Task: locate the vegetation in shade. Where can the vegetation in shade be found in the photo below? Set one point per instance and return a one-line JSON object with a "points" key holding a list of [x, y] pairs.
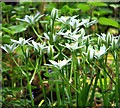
{"points": [[59, 54]]}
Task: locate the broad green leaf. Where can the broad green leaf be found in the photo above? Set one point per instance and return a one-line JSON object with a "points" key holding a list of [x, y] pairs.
{"points": [[72, 10], [108, 10], [6, 8], [114, 5], [107, 21], [15, 29], [50, 6], [20, 8], [8, 30], [65, 9], [83, 7], [97, 4], [5, 39], [102, 12]]}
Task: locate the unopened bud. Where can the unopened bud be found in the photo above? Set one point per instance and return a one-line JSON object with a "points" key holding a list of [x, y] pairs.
{"points": [[50, 51], [99, 42], [87, 41], [54, 14], [78, 61], [109, 38], [27, 54]]}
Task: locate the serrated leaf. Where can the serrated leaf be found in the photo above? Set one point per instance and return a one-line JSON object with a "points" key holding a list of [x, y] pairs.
{"points": [[107, 21]]}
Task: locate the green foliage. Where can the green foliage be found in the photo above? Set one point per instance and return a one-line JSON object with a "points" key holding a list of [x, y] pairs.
{"points": [[84, 7], [109, 22], [5, 39], [15, 29], [56, 58], [97, 4], [114, 6]]}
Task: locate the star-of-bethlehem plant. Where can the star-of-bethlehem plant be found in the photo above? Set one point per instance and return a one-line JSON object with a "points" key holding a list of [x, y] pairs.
{"points": [[70, 57]]}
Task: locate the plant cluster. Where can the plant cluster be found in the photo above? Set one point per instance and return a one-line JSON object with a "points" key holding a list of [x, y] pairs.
{"points": [[75, 64]]}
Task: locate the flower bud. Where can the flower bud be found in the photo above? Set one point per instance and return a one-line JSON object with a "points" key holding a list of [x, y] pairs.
{"points": [[54, 14], [113, 44], [87, 41], [50, 51], [90, 54], [99, 42], [109, 38], [78, 61], [27, 54], [115, 55], [82, 32]]}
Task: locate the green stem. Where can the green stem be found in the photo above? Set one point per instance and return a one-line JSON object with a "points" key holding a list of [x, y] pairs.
{"points": [[64, 56], [67, 82], [29, 85], [51, 87], [63, 93], [51, 35], [21, 80], [94, 87], [79, 84], [105, 71], [68, 87], [57, 91], [69, 92], [25, 55], [85, 72], [34, 71], [117, 78], [71, 71], [92, 77], [18, 65], [75, 76], [56, 47], [41, 82], [105, 84], [101, 86], [37, 34]]}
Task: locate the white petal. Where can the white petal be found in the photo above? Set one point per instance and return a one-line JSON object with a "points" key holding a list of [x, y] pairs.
{"points": [[53, 62]]}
